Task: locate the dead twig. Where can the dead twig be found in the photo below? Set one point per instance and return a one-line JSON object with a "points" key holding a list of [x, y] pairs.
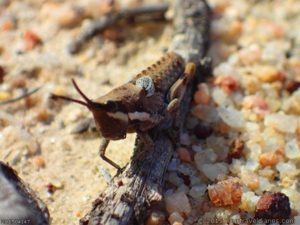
{"points": [[25, 95], [138, 190], [111, 19]]}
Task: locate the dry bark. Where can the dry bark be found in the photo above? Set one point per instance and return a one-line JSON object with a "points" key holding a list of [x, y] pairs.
{"points": [[138, 190], [19, 204]]}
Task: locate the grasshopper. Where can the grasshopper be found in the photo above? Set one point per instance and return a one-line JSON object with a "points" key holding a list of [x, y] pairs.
{"points": [[140, 104]]}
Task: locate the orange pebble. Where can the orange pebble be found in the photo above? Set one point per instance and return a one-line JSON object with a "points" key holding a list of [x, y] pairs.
{"points": [[7, 26], [268, 159], [225, 193], [42, 115], [31, 39], [39, 161], [228, 83], [202, 96], [184, 155]]}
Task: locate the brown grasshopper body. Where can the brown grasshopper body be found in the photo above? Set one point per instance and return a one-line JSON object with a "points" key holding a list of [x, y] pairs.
{"points": [[140, 104]]}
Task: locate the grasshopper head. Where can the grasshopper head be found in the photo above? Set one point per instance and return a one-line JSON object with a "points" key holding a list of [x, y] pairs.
{"points": [[110, 123]]}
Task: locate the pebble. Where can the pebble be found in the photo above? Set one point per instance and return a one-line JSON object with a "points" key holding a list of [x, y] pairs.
{"points": [[202, 131], [206, 113], [225, 193], [175, 217], [202, 95], [197, 191], [282, 122], [185, 139], [4, 95], [292, 150], [81, 126], [249, 201], [250, 179], [213, 171], [178, 202], [184, 155], [273, 205], [250, 54], [156, 218], [39, 162], [220, 97], [31, 40], [236, 150], [287, 170], [228, 83], [64, 15], [232, 117], [268, 159], [43, 115], [268, 74]]}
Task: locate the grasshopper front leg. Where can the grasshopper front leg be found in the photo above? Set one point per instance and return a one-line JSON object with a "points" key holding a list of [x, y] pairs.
{"points": [[102, 148], [178, 89]]}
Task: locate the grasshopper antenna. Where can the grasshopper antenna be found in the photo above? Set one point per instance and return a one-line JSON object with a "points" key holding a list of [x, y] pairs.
{"points": [[88, 101], [55, 97]]}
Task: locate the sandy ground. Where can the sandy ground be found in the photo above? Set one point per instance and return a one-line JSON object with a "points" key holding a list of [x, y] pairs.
{"points": [[35, 134]]}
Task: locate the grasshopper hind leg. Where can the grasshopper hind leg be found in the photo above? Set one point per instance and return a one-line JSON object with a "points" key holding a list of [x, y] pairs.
{"points": [[102, 148]]}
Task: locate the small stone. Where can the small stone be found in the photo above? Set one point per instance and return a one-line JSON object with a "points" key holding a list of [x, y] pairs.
{"points": [[250, 55], [18, 82], [249, 201], [291, 85], [156, 218], [287, 170], [282, 122], [202, 131], [185, 139], [66, 16], [253, 101], [43, 115], [202, 95], [31, 40], [197, 191], [232, 117], [4, 95], [268, 159], [184, 155], [250, 179], [226, 193], [268, 74], [213, 171], [39, 162], [78, 214], [228, 83], [292, 150], [206, 113], [236, 150], [175, 217], [81, 126], [178, 202], [273, 205], [205, 156]]}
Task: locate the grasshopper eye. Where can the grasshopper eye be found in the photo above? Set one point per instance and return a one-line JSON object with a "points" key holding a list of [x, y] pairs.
{"points": [[147, 84], [111, 105]]}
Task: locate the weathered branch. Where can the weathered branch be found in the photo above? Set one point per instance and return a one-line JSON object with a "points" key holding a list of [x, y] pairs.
{"points": [[18, 204], [110, 20], [25, 95], [138, 190]]}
